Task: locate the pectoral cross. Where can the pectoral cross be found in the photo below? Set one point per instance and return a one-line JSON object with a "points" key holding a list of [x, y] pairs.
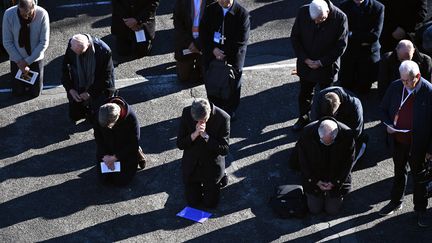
{"points": [[223, 38]]}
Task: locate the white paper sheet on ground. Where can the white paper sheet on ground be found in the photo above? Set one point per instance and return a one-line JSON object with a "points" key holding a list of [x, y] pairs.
{"points": [[140, 36], [396, 130], [29, 77], [194, 214], [105, 168]]}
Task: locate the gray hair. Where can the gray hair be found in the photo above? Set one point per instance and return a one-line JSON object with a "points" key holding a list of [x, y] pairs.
{"points": [[80, 39], [405, 44], [108, 114], [26, 4], [409, 67], [328, 127], [318, 8], [200, 109]]}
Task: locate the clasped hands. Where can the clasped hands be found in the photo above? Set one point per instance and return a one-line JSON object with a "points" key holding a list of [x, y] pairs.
{"points": [[79, 97], [23, 66], [219, 54], [109, 161], [325, 186], [199, 131], [132, 24]]}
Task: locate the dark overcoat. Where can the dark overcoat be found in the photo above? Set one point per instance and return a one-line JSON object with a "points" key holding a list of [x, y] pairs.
{"points": [[421, 142], [236, 31], [325, 42], [104, 70], [144, 11], [350, 111], [204, 161], [340, 160]]}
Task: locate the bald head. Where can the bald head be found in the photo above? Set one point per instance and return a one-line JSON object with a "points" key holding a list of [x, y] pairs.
{"points": [[79, 43], [405, 50], [328, 130]]}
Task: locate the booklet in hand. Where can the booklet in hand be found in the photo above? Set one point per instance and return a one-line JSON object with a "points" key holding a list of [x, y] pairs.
{"points": [[140, 36], [29, 77], [105, 169]]}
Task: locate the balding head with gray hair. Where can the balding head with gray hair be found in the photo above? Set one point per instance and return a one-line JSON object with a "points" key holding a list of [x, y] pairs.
{"points": [[327, 131], [410, 68], [80, 43], [405, 50], [318, 10], [200, 109]]}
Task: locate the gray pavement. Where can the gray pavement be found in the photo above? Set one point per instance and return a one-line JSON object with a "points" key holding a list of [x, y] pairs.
{"points": [[49, 191]]}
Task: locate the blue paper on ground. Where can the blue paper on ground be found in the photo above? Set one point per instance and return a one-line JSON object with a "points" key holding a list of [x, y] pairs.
{"points": [[194, 214]]}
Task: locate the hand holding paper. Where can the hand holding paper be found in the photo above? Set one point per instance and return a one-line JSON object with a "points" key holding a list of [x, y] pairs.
{"points": [[106, 169]]}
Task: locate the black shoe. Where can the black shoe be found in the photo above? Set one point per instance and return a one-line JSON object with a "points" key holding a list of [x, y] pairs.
{"points": [[390, 208], [300, 123], [224, 181], [142, 161], [422, 219]]}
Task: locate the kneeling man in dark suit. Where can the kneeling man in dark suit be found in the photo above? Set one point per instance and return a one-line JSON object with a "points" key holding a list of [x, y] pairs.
{"points": [[326, 154], [204, 137]]}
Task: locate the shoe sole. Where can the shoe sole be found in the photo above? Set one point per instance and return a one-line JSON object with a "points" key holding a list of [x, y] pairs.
{"points": [[391, 212]]}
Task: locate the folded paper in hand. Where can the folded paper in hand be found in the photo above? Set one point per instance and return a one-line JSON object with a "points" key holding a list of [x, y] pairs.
{"points": [[29, 77], [140, 36], [105, 169], [395, 129]]}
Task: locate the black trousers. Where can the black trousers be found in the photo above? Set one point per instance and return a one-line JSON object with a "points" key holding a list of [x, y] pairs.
{"points": [[190, 69], [401, 159], [127, 46], [206, 193], [20, 88], [358, 74], [306, 94]]}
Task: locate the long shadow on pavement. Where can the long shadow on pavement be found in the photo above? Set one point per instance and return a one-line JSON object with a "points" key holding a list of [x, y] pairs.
{"points": [[38, 129]]}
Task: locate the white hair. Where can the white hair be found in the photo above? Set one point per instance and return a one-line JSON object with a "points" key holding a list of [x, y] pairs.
{"points": [[405, 44], [409, 67], [80, 39], [328, 127], [318, 8]]}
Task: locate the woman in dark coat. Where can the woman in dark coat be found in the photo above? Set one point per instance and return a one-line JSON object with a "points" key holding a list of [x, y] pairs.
{"points": [[117, 134]]}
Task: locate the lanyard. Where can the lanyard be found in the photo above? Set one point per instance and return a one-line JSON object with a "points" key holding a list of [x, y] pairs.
{"points": [[197, 8], [402, 102]]}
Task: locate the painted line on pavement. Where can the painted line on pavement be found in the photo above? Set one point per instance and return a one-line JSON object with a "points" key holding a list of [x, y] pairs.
{"points": [[84, 4], [171, 76]]}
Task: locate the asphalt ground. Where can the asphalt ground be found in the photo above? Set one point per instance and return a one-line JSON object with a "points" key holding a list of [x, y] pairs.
{"points": [[48, 184]]}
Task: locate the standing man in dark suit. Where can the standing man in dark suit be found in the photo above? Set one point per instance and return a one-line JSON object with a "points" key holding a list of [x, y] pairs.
{"points": [[129, 16], [319, 37], [188, 51], [401, 19], [204, 136], [224, 32], [407, 105], [365, 23]]}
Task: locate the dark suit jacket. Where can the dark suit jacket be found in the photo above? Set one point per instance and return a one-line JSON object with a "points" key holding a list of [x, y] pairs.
{"points": [[104, 70], [389, 68], [422, 117], [415, 12], [121, 140], [183, 21], [204, 161], [365, 25], [350, 111], [314, 167], [144, 11], [326, 43], [237, 26]]}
